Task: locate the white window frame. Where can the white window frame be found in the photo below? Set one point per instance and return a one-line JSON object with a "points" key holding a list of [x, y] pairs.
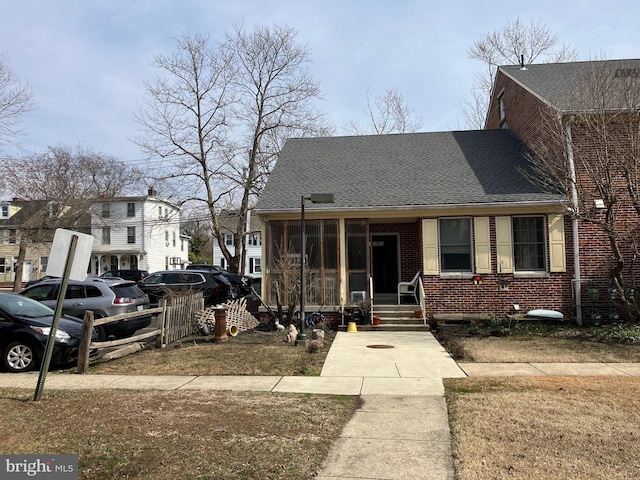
{"points": [[131, 209], [443, 247], [228, 239], [543, 233], [131, 230], [255, 265], [106, 235]]}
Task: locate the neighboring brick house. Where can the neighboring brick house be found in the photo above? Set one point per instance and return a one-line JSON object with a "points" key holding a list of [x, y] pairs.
{"points": [[453, 206], [564, 112]]}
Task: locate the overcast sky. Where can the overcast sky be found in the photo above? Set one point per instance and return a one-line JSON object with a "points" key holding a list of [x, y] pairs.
{"points": [[86, 59]]}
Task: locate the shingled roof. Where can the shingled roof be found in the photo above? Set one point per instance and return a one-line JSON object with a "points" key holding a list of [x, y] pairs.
{"points": [[563, 85], [387, 172]]}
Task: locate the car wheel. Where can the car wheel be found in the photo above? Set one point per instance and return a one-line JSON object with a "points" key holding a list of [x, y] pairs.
{"points": [[235, 292], [19, 356], [102, 333]]}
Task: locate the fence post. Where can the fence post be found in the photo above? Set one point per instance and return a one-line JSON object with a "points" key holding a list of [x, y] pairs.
{"points": [[85, 341], [161, 323]]}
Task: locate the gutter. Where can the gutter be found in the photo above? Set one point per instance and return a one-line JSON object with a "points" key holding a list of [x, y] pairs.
{"points": [[402, 208], [574, 220]]}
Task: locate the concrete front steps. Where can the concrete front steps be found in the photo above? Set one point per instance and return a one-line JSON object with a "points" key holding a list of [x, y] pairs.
{"points": [[394, 318]]}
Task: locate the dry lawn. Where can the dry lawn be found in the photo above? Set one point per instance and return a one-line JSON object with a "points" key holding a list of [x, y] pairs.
{"points": [[250, 353], [546, 349], [572, 428], [177, 435]]}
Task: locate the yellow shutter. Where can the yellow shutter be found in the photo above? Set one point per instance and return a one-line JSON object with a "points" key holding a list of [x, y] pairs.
{"points": [[557, 255], [482, 244], [430, 247], [503, 245]]}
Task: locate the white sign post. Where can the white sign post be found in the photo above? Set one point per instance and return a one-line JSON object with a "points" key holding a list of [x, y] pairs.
{"points": [[73, 265]]}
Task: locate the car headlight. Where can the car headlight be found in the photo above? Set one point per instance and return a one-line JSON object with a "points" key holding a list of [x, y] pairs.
{"points": [[61, 335]]}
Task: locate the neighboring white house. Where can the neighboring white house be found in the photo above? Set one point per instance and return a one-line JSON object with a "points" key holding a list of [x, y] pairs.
{"points": [[252, 244], [137, 233]]}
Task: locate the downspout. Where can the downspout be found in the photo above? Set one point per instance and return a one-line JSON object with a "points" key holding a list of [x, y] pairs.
{"points": [[574, 221]]}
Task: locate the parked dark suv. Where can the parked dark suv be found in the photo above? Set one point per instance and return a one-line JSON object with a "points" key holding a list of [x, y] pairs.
{"points": [[167, 282], [104, 297], [240, 284], [133, 275]]}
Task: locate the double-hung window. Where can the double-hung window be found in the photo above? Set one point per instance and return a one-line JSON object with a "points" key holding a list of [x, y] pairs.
{"points": [[106, 235], [131, 209], [131, 234], [455, 245], [528, 244]]}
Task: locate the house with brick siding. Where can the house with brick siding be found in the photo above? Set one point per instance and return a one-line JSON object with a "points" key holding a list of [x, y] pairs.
{"points": [[459, 209], [583, 116], [454, 207]]}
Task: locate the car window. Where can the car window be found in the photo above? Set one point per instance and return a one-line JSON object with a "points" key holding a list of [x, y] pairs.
{"points": [[193, 278], [40, 292], [155, 278], [93, 292], [127, 290], [173, 278], [24, 307], [75, 291]]}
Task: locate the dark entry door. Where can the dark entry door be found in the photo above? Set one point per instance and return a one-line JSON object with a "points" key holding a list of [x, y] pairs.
{"points": [[384, 263]]}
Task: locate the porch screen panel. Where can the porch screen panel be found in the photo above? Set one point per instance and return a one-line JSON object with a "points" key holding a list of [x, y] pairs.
{"points": [[283, 261], [357, 255]]}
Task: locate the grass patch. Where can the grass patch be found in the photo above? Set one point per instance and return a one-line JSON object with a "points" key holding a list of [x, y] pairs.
{"points": [[249, 353], [169, 435], [545, 427], [541, 342]]}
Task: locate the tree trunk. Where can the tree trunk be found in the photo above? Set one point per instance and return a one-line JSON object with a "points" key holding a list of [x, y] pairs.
{"points": [[22, 253]]}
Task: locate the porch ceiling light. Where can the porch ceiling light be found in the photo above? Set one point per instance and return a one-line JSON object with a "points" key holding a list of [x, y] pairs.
{"points": [[314, 198]]}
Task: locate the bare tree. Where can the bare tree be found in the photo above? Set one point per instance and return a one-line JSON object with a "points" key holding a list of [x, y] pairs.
{"points": [[219, 116], [388, 113], [512, 44], [15, 100], [64, 172], [601, 134], [61, 184]]}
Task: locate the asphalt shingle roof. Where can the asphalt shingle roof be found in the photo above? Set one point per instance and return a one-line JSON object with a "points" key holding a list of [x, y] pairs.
{"points": [[563, 85], [403, 170]]}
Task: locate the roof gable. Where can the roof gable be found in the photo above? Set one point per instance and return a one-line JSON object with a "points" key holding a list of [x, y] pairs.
{"points": [[402, 170], [564, 85]]}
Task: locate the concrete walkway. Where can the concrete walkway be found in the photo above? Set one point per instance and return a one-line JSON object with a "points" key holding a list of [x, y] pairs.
{"points": [[400, 432]]}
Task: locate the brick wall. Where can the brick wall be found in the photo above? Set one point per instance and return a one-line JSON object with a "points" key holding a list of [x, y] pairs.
{"points": [[498, 292]]}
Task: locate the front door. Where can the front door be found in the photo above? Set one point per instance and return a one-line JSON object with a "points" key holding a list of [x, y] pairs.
{"points": [[384, 263]]}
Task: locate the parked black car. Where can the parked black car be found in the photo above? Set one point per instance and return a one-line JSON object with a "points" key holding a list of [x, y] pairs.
{"points": [[167, 282], [240, 284], [104, 297], [133, 275], [24, 329]]}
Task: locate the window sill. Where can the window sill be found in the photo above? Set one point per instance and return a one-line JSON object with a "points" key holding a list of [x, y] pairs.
{"points": [[531, 274], [457, 275]]}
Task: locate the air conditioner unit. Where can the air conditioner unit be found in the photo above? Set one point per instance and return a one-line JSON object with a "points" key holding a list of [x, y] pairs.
{"points": [[358, 296]]}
